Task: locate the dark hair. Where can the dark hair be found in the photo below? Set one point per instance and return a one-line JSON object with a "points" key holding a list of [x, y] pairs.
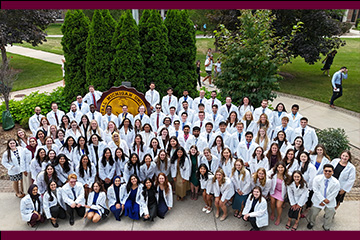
{"points": [[304, 169], [129, 184], [168, 150], [85, 146], [48, 158], [175, 157], [154, 138], [130, 164], [158, 160], [206, 175], [101, 186], [66, 143], [54, 176], [184, 113], [141, 143], [302, 148], [103, 159], [66, 163], [228, 119], [259, 189], [277, 106], [62, 125], [242, 101], [81, 167], [51, 197], [122, 124], [123, 155], [145, 190], [146, 124], [295, 106], [91, 141], [143, 161], [8, 148], [285, 175], [249, 133], [196, 128], [302, 181], [278, 153], [38, 155], [57, 132], [222, 142], [37, 134], [348, 152], [262, 155], [328, 165], [285, 159], [277, 136], [304, 118]]}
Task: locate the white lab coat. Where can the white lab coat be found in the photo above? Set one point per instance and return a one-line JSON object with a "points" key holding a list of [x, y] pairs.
{"points": [[139, 198], [128, 116], [127, 173], [147, 137], [216, 119], [87, 179], [40, 182], [258, 111], [105, 121], [324, 161], [97, 116], [182, 99], [223, 110], [57, 199], [347, 176], [84, 107], [231, 128], [215, 163], [73, 134], [310, 137], [264, 189], [309, 174], [260, 211], [273, 186], [123, 146], [226, 190], [276, 119], [25, 162], [168, 197], [100, 202], [27, 208], [68, 196], [215, 152], [119, 166], [184, 170], [165, 106], [127, 137], [234, 140], [289, 131], [13, 165], [227, 167], [255, 164], [294, 122], [242, 110], [297, 195], [211, 137], [145, 119], [226, 136], [190, 118], [76, 156], [107, 171], [284, 147], [111, 195], [138, 151], [147, 172], [88, 98], [162, 166], [209, 104], [101, 147], [155, 99], [199, 142], [34, 123], [62, 175], [249, 128], [242, 185], [77, 118], [243, 152], [51, 117], [197, 101], [153, 120], [206, 184], [319, 189], [35, 168]]}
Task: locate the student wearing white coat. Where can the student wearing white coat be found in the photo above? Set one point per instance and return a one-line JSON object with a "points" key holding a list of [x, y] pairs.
{"points": [[94, 115], [125, 114], [245, 106], [169, 101], [120, 160], [117, 142], [246, 148], [289, 131], [227, 108], [74, 114], [164, 195], [55, 115], [277, 115], [34, 120], [107, 168], [63, 168], [113, 195], [31, 207], [255, 210], [147, 134], [241, 179], [127, 132], [54, 206], [258, 160], [86, 172], [237, 136], [325, 188], [96, 148], [294, 117], [152, 96], [142, 116], [131, 167], [96, 203], [297, 193], [92, 96], [132, 199], [210, 160], [45, 177], [162, 162], [308, 134], [147, 168], [196, 140], [157, 118], [319, 158], [109, 116], [80, 150], [11, 160], [139, 147], [205, 178], [223, 190], [185, 98], [73, 196], [180, 172], [37, 164], [81, 105], [279, 178], [282, 142], [345, 172], [227, 162], [260, 179]]}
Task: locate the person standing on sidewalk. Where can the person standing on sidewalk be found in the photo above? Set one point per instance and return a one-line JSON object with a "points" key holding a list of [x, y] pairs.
{"points": [[337, 84], [208, 68]]}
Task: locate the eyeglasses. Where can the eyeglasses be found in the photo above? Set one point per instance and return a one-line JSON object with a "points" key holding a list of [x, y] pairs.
{"points": [[158, 108], [328, 171]]}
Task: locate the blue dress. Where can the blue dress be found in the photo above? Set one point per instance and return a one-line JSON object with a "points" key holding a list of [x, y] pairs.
{"points": [[162, 207], [132, 209], [96, 195]]}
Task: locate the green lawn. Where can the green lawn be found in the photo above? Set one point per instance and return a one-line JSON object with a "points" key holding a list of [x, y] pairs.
{"points": [[309, 82], [54, 29], [202, 45], [52, 45], [33, 72]]}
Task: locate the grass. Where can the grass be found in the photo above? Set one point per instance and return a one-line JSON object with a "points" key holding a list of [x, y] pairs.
{"points": [[308, 80], [202, 45], [33, 72], [54, 29], [52, 45]]}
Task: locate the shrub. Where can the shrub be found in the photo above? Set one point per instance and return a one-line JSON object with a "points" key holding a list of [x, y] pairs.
{"points": [[22, 109], [357, 23], [345, 27], [24, 123], [334, 140]]}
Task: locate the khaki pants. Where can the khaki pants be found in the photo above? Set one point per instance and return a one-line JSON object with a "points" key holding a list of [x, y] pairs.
{"points": [[329, 214]]}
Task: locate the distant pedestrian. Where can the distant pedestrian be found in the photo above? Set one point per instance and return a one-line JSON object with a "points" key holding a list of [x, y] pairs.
{"points": [[198, 71], [217, 70], [208, 69], [337, 84], [328, 61]]}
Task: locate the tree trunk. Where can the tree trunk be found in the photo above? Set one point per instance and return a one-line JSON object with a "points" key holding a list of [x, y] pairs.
{"points": [[3, 54]]}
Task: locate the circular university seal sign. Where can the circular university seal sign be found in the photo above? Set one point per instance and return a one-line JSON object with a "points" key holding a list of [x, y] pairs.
{"points": [[117, 97]]}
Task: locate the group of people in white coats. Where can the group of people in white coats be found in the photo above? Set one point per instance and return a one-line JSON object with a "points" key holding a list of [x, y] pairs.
{"points": [[185, 144]]}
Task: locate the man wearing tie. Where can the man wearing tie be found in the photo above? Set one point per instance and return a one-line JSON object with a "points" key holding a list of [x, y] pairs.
{"points": [[216, 117], [246, 148], [185, 98], [198, 100], [212, 101], [308, 134], [109, 116], [237, 137], [83, 107], [289, 131], [94, 115], [325, 188], [196, 140], [294, 116], [92, 96], [168, 101], [208, 134], [152, 96], [263, 109], [190, 112], [74, 114], [184, 121], [54, 116], [156, 118], [34, 120], [73, 196], [142, 116], [336, 83], [172, 115], [124, 115]]}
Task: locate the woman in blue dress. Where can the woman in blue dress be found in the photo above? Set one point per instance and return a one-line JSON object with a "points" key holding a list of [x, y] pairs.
{"points": [[132, 198], [113, 195], [164, 195]]}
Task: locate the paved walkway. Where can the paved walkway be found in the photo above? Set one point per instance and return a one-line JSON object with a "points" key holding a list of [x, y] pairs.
{"points": [[37, 54]]}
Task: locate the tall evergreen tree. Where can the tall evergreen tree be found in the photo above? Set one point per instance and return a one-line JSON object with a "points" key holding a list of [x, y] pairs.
{"points": [[182, 51], [75, 31], [128, 64], [143, 26], [155, 52], [99, 50]]}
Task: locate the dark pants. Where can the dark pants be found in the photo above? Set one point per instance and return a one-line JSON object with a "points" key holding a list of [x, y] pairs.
{"points": [[199, 80], [116, 212], [252, 221], [309, 202], [80, 211], [336, 95], [58, 212], [34, 219]]}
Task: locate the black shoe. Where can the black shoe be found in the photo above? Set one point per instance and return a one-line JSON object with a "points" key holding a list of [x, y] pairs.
{"points": [[254, 229], [55, 225], [71, 221], [325, 229], [309, 226]]}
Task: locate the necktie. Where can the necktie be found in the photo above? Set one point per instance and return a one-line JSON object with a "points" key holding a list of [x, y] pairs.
{"points": [[38, 118], [93, 95], [222, 135], [157, 120], [293, 117], [214, 117], [326, 186], [302, 132], [152, 96], [183, 125], [248, 145], [239, 137], [186, 137], [283, 129], [138, 151], [74, 114], [341, 77], [212, 102], [80, 106], [177, 133], [196, 140], [208, 137], [200, 100], [185, 98], [73, 191], [93, 116], [109, 117], [210, 164], [263, 110], [172, 118], [169, 100], [141, 117], [56, 118], [201, 124]]}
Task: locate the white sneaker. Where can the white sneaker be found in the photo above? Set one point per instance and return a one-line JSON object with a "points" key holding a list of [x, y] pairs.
{"points": [[203, 83], [208, 211], [211, 85], [204, 209]]}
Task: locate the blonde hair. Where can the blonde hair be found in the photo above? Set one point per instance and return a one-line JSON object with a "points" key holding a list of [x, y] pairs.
{"points": [[73, 175], [242, 170], [248, 112], [266, 138], [219, 170], [255, 176], [97, 128]]}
